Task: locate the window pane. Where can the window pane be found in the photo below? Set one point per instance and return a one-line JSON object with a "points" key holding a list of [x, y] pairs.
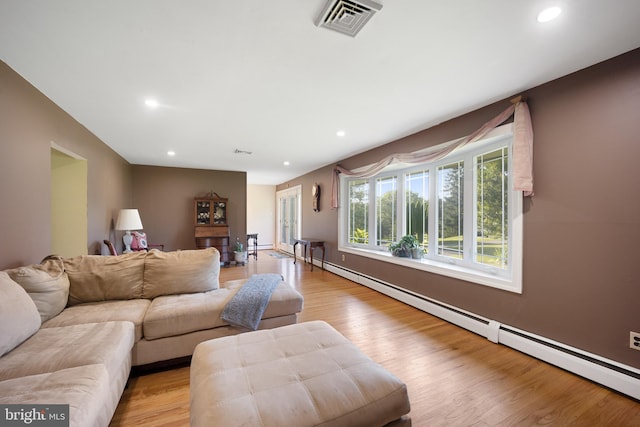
{"points": [[491, 201], [450, 210], [358, 212], [386, 202], [417, 205], [292, 201], [283, 220]]}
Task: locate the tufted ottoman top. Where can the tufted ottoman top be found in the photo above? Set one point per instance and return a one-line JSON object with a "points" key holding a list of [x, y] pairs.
{"points": [[306, 374]]}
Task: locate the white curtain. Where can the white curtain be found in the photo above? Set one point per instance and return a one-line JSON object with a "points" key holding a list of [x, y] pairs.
{"points": [[522, 152]]}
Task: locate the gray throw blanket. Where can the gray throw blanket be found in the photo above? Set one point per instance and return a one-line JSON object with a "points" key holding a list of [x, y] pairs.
{"points": [[246, 307]]}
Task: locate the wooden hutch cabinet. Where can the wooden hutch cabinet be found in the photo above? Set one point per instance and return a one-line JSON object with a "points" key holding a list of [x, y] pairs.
{"points": [[211, 227]]}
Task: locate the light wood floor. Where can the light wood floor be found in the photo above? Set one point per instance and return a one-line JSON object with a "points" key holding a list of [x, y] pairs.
{"points": [[454, 377]]}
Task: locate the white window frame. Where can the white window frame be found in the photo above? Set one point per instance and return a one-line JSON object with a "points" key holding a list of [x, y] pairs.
{"points": [[509, 279]]}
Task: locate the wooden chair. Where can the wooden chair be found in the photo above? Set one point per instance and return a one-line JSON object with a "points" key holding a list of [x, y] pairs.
{"points": [[112, 248]]}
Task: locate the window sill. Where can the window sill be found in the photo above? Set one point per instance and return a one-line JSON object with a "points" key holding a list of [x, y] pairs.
{"points": [[444, 269]]}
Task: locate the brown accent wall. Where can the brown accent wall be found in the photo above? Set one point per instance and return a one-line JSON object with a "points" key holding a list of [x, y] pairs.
{"points": [[165, 199], [581, 283], [29, 122], [581, 230]]}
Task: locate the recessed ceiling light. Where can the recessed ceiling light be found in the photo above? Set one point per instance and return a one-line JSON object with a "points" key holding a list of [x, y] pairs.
{"points": [[340, 133], [151, 103], [171, 153], [286, 163], [549, 14]]}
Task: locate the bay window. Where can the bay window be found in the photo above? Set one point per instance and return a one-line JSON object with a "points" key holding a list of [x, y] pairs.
{"points": [[461, 209]]}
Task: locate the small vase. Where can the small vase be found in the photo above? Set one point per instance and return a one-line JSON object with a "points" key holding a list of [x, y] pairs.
{"points": [[416, 253]]}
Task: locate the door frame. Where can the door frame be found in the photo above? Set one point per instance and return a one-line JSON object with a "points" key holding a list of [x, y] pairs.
{"points": [[69, 207], [293, 194]]}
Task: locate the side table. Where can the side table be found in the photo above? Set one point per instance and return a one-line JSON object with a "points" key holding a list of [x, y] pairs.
{"points": [[311, 244], [252, 249]]}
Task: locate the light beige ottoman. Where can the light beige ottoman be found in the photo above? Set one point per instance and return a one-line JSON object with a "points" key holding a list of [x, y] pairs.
{"points": [[299, 375]]}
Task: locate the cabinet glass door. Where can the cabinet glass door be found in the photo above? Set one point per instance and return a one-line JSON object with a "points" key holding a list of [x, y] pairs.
{"points": [[203, 212], [219, 212]]}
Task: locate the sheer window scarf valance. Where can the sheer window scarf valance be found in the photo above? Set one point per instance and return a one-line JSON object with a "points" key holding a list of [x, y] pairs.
{"points": [[522, 152]]}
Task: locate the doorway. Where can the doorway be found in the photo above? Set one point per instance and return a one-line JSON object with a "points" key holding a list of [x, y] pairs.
{"points": [[289, 222], [68, 203]]}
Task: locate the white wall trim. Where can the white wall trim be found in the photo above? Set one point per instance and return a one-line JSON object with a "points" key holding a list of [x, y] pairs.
{"points": [[65, 151], [609, 373]]}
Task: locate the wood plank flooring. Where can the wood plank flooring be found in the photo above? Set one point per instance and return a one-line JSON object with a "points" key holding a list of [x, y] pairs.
{"points": [[454, 377]]}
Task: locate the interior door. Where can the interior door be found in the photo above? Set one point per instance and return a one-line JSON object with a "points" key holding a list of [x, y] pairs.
{"points": [[289, 217]]}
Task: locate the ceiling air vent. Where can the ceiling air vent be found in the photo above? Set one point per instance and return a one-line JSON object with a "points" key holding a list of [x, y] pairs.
{"points": [[347, 16]]}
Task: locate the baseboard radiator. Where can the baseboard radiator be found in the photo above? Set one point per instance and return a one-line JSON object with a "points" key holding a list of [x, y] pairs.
{"points": [[622, 378]]}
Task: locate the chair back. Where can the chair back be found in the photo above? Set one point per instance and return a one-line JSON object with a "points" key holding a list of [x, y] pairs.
{"points": [[112, 249]]}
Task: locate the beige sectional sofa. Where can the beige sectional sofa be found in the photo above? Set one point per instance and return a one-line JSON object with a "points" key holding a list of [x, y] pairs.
{"points": [[71, 329]]}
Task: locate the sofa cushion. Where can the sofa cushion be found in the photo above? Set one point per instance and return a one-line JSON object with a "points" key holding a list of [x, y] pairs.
{"points": [[19, 317], [180, 272], [284, 300], [180, 314], [104, 311], [83, 388], [103, 278], [47, 284], [52, 349]]}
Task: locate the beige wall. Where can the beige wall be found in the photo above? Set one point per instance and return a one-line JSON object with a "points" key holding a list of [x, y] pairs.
{"points": [[261, 214], [581, 230]]}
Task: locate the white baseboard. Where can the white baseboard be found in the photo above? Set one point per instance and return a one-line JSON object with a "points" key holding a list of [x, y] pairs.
{"points": [[609, 373]]}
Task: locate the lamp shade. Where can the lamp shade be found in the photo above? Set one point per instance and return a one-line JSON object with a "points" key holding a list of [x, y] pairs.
{"points": [[128, 219]]}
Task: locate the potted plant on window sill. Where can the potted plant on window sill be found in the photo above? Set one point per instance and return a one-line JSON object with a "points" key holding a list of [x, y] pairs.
{"points": [[408, 247], [239, 253]]}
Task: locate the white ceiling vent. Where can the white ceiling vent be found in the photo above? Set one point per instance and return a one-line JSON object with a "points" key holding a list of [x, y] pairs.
{"points": [[347, 16]]}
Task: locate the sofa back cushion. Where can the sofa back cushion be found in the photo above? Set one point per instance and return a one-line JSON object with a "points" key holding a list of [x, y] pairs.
{"points": [[103, 278], [181, 272], [47, 284], [19, 317]]}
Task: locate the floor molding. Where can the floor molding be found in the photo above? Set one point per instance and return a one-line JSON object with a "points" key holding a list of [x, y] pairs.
{"points": [[622, 378]]}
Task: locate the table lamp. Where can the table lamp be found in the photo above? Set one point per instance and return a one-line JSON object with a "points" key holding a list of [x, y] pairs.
{"points": [[128, 219]]}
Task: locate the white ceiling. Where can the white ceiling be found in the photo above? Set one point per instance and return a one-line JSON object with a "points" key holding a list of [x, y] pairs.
{"points": [[259, 76]]}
